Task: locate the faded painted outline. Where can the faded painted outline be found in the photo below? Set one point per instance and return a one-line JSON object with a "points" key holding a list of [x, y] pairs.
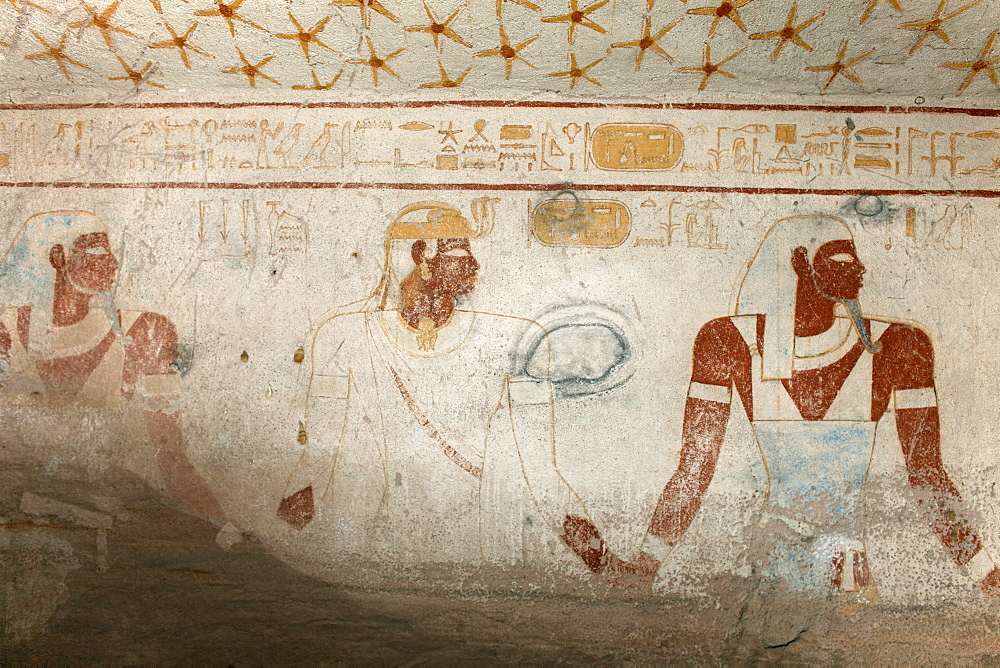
{"points": [[520, 187], [479, 104]]}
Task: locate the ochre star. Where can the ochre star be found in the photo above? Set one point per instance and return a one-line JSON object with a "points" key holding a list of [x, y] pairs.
{"points": [[978, 65], [709, 68], [840, 67], [306, 37], [790, 33], [376, 62], [57, 54], [647, 42], [16, 4], [181, 43], [230, 12], [137, 78], [251, 72], [437, 29], [934, 25], [364, 6], [874, 3], [578, 17], [524, 3], [446, 81], [509, 53], [729, 9], [576, 72], [103, 23], [317, 85]]}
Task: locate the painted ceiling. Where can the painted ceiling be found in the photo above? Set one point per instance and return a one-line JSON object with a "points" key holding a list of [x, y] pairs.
{"points": [[927, 50]]}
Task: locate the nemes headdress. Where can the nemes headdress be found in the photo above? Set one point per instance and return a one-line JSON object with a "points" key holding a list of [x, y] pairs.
{"points": [[26, 274], [769, 286]]}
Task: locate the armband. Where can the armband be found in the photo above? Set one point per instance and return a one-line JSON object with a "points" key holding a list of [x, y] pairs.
{"points": [[922, 397], [722, 394]]}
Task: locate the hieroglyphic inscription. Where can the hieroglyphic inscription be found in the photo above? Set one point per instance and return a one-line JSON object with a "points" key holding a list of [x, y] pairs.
{"points": [[659, 146]]}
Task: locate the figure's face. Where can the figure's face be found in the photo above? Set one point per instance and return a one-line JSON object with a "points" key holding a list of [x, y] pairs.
{"points": [[837, 271], [453, 268], [90, 263]]}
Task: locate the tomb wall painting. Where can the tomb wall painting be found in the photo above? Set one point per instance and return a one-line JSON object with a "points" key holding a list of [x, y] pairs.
{"points": [[484, 355]]}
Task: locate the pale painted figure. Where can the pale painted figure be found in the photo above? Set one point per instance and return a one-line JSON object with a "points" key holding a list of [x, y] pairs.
{"points": [[422, 444]]}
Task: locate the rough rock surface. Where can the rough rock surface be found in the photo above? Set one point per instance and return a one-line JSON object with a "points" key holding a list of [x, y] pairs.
{"points": [[170, 594]]}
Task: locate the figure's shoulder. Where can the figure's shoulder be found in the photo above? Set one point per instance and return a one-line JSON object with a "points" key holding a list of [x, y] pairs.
{"points": [[146, 324], [508, 322], [731, 333], [900, 336]]}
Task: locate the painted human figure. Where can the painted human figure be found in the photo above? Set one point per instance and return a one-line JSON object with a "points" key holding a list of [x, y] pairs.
{"points": [[815, 384], [419, 438], [69, 346]]}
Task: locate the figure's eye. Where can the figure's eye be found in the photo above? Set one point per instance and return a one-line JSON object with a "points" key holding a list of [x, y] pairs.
{"points": [[842, 257]]}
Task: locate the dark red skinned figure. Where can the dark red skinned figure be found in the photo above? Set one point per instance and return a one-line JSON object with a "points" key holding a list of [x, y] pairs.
{"points": [[430, 291], [727, 354], [83, 270]]}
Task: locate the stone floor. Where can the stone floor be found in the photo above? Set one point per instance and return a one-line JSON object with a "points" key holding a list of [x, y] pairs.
{"points": [[165, 592]]}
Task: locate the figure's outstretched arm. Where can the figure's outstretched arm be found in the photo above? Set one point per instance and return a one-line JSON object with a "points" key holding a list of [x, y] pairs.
{"points": [[721, 360], [906, 368], [530, 402], [151, 375]]}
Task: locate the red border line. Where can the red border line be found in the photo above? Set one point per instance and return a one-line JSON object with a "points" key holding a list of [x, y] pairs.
{"points": [[510, 187], [423, 104]]}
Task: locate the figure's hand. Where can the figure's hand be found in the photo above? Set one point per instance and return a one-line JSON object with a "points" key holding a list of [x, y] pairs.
{"points": [[637, 574], [298, 509], [582, 537], [991, 583]]}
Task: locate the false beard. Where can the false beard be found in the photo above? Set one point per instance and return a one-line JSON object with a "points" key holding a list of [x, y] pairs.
{"points": [[854, 309]]}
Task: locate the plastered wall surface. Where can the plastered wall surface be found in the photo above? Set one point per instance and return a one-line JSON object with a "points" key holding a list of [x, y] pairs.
{"points": [[703, 314]]}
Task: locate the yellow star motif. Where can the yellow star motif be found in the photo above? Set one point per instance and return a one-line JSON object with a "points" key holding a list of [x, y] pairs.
{"points": [[934, 25], [364, 6], [57, 54], [509, 53], [306, 37], [874, 3], [375, 62], [136, 77], [576, 72], [578, 17], [709, 68], [437, 29], [840, 67], [790, 33], [230, 12], [16, 4], [978, 65], [317, 85], [103, 23], [446, 81], [524, 3], [251, 72], [729, 9], [647, 42], [181, 43]]}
